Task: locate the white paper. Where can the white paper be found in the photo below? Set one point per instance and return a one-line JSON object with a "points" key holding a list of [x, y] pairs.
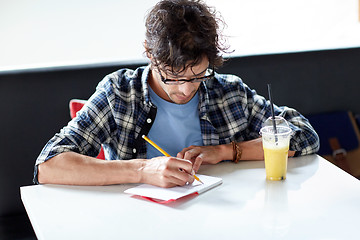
{"points": [[166, 194]]}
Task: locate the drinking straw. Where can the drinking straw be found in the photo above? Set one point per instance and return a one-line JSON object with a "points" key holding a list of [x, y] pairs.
{"points": [[272, 110]]}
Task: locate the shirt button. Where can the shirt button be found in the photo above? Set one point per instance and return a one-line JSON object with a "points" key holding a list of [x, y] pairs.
{"points": [[134, 150], [148, 120]]}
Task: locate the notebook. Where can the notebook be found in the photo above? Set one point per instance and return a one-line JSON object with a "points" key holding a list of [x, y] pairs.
{"points": [[164, 195]]}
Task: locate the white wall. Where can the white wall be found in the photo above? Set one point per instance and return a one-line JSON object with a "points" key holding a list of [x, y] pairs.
{"points": [[47, 33]]}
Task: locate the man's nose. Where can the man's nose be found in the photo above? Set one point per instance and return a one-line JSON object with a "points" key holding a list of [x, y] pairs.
{"points": [[186, 88]]}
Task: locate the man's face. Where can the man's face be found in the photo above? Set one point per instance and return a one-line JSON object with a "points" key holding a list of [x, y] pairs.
{"points": [[179, 94]]}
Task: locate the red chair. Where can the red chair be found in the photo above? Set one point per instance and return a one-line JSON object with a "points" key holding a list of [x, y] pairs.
{"points": [[75, 105]]}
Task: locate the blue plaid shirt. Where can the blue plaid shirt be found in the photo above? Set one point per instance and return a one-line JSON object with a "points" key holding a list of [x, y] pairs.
{"points": [[120, 112]]}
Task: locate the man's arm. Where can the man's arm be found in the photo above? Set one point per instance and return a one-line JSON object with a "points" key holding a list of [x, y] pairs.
{"points": [[251, 150], [75, 169]]}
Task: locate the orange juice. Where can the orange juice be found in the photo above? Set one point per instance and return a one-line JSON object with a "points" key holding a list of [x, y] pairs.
{"points": [[276, 162], [276, 147]]}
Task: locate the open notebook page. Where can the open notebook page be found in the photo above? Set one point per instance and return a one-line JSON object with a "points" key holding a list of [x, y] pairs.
{"points": [[174, 193]]}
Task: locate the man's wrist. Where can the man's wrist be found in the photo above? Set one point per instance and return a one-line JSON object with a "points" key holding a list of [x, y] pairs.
{"points": [[139, 170], [237, 152], [251, 149], [226, 151]]}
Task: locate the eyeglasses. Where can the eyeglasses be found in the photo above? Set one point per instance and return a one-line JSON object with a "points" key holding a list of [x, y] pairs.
{"points": [[182, 81]]}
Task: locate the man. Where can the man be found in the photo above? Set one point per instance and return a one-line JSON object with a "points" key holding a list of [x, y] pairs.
{"points": [[178, 101]]}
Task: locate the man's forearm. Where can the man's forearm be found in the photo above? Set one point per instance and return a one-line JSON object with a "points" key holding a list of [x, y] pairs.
{"points": [[76, 169], [253, 150]]}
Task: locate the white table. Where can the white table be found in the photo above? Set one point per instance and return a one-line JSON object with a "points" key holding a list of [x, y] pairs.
{"points": [[316, 201]]}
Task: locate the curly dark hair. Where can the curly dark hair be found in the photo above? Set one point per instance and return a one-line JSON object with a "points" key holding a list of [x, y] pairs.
{"points": [[179, 33]]}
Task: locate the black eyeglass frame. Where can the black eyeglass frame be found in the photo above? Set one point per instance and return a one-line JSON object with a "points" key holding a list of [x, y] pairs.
{"points": [[182, 81]]}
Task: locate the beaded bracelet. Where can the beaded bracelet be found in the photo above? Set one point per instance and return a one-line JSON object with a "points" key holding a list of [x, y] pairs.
{"points": [[237, 152]]}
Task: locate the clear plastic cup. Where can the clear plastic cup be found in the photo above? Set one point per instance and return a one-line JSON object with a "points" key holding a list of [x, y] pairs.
{"points": [[276, 147]]}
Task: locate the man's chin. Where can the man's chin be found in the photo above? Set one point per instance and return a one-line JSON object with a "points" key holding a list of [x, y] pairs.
{"points": [[181, 99]]}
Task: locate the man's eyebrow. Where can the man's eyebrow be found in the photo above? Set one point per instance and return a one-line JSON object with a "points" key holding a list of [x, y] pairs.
{"points": [[193, 72], [202, 71]]}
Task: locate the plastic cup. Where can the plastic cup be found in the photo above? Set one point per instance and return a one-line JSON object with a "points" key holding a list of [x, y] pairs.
{"points": [[276, 147]]}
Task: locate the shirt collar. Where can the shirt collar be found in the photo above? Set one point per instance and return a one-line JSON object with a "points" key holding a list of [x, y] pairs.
{"points": [[144, 81], [203, 101]]}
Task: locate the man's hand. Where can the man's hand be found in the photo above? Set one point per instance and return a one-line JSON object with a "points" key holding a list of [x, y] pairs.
{"points": [[167, 172], [251, 150], [204, 154]]}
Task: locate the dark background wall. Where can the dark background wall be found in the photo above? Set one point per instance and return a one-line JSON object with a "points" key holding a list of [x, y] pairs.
{"points": [[34, 105], [311, 82]]}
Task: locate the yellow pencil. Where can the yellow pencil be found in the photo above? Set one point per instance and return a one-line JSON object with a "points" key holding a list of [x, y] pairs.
{"points": [[163, 152]]}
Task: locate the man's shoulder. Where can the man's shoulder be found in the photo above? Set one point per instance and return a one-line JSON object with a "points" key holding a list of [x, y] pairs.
{"points": [[125, 78], [127, 74], [227, 87], [227, 82]]}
